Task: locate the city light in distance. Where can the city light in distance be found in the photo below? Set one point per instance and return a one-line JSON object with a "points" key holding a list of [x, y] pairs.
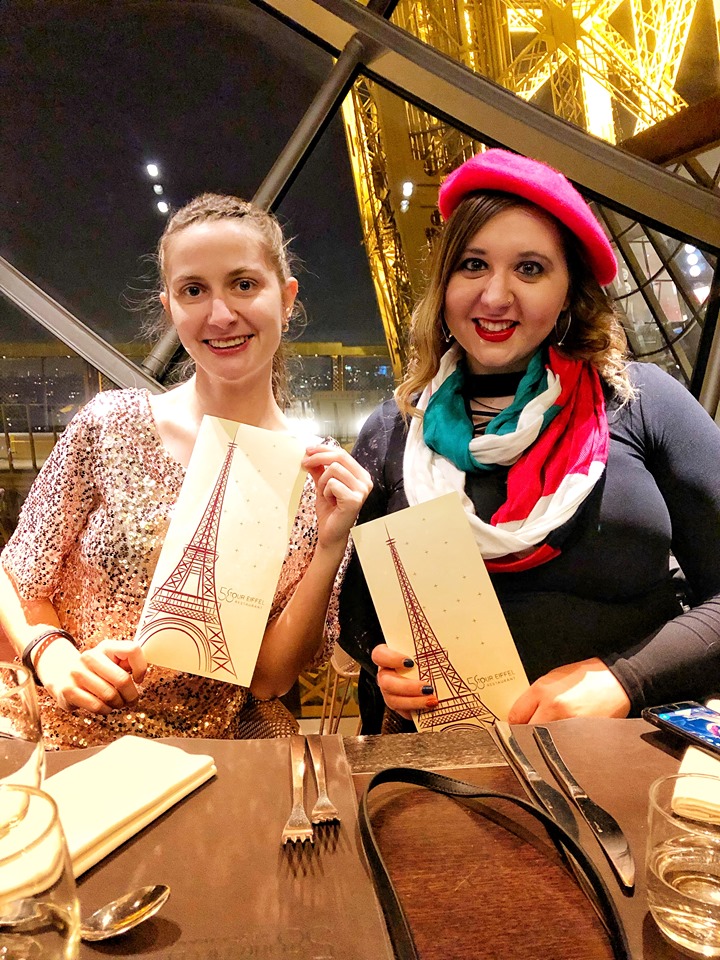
{"points": [[162, 206], [153, 170], [158, 188], [407, 188]]}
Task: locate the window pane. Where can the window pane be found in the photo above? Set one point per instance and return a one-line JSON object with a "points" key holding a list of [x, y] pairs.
{"points": [[98, 92]]}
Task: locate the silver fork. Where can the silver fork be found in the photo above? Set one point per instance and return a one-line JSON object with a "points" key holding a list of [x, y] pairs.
{"points": [[324, 810], [298, 827]]}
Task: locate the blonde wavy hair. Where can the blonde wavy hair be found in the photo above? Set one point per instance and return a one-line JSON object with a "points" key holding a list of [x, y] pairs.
{"points": [[594, 332], [215, 206]]}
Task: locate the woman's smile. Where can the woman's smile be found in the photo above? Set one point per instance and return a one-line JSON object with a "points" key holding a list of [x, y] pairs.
{"points": [[230, 343], [494, 331]]}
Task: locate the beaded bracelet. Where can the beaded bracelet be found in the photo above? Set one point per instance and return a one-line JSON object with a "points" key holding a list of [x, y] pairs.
{"points": [[35, 642]]}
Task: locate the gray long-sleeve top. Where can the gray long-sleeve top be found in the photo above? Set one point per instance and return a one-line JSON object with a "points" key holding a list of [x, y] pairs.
{"points": [[611, 592]]}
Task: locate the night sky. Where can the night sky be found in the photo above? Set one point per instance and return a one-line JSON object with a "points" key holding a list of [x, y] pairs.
{"points": [[92, 92]]}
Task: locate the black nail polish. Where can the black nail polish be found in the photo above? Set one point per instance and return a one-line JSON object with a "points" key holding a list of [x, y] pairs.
{"points": [[408, 662], [427, 690]]}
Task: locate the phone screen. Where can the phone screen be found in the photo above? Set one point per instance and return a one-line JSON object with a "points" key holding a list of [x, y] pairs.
{"points": [[696, 720]]}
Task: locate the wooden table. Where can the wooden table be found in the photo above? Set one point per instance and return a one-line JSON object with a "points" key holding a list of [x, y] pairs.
{"points": [[470, 887]]}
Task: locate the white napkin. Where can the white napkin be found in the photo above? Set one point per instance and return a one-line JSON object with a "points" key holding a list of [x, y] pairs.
{"points": [[108, 797], [699, 799]]}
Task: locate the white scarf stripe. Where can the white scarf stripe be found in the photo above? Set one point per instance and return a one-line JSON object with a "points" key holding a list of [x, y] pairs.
{"points": [[505, 449]]}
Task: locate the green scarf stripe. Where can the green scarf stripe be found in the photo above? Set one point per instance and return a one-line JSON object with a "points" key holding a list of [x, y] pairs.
{"points": [[448, 430]]}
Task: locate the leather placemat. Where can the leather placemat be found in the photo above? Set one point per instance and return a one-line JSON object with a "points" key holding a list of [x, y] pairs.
{"points": [[236, 893], [471, 889]]}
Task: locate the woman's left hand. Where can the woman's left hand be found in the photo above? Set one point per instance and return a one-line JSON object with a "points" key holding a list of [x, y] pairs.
{"points": [[584, 689], [342, 486]]}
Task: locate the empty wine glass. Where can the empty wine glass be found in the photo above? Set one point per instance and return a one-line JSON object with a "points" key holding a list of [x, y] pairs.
{"points": [[39, 914], [22, 754]]}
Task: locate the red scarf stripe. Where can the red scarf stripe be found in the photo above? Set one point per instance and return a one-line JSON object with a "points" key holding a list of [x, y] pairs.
{"points": [[572, 441]]}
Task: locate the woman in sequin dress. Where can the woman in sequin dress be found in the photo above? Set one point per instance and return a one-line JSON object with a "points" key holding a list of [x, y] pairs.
{"points": [[83, 555]]}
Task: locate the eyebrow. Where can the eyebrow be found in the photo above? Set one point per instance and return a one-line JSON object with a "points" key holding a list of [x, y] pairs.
{"points": [[521, 255], [196, 277]]}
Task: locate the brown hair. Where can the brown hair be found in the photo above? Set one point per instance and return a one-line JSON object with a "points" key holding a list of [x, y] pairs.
{"points": [[214, 206], [594, 332]]}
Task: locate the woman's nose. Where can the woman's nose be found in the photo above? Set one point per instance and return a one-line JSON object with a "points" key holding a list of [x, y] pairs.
{"points": [[220, 312], [496, 292]]}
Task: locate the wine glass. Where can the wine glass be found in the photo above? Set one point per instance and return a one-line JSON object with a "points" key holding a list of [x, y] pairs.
{"points": [[22, 754], [39, 913]]}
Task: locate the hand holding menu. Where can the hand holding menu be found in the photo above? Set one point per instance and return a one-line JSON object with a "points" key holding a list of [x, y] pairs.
{"points": [[436, 604]]}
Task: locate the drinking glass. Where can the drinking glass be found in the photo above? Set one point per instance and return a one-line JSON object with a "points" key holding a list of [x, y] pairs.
{"points": [[22, 754], [39, 914], [683, 861]]}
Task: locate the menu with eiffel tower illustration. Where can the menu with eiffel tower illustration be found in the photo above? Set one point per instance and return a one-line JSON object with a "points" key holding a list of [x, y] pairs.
{"points": [[436, 604], [215, 580]]}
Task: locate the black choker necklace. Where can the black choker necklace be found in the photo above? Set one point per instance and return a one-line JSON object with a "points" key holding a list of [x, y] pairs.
{"points": [[491, 384]]}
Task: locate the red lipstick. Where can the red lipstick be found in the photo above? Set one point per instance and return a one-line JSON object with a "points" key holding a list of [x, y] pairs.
{"points": [[495, 336]]}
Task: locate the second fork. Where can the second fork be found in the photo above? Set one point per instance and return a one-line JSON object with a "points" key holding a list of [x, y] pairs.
{"points": [[324, 810], [298, 828]]}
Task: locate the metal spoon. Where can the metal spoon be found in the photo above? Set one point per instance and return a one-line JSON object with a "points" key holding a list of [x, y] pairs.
{"points": [[123, 914], [114, 918]]}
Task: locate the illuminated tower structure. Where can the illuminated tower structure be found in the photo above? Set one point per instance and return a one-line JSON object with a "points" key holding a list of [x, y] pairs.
{"points": [[187, 601], [608, 66], [457, 702]]}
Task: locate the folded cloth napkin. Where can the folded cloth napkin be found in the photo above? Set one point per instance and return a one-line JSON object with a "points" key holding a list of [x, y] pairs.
{"points": [[699, 799], [108, 797]]}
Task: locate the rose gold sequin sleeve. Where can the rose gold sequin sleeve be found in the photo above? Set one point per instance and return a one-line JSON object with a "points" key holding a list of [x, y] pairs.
{"points": [[56, 509]]}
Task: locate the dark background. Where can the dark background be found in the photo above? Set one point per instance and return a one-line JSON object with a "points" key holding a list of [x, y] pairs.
{"points": [[91, 93]]}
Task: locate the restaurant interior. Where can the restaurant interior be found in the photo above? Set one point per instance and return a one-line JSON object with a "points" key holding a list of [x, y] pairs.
{"points": [[343, 117]]}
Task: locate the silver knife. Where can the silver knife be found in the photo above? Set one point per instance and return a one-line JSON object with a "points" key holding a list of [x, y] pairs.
{"points": [[606, 829], [551, 799]]}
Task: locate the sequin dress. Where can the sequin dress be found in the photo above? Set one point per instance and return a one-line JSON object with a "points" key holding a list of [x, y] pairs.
{"points": [[88, 540]]}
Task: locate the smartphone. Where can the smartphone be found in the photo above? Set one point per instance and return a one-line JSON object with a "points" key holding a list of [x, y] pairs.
{"points": [[694, 722]]}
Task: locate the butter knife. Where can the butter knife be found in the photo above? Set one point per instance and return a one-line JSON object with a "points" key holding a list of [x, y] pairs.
{"points": [[549, 798], [606, 829]]}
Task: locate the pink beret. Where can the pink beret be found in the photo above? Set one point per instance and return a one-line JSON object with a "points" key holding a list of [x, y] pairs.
{"points": [[543, 185]]}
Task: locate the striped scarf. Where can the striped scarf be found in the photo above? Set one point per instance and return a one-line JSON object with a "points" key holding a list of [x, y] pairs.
{"points": [[553, 437]]}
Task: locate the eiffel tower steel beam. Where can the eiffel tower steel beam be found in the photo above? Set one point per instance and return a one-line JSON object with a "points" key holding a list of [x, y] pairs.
{"points": [[33, 301], [323, 108], [486, 111]]}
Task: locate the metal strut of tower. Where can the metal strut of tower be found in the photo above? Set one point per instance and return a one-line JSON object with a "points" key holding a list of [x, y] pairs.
{"points": [[384, 249], [457, 703], [608, 66], [189, 592], [573, 46]]}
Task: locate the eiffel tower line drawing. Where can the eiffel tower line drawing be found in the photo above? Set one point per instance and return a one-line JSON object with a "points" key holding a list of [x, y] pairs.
{"points": [[187, 601], [457, 702]]}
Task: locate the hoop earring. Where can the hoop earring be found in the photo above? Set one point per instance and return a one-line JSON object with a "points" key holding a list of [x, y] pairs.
{"points": [[561, 339], [445, 330]]}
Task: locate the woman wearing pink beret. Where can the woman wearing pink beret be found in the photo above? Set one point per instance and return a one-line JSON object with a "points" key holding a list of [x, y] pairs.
{"points": [[580, 473]]}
